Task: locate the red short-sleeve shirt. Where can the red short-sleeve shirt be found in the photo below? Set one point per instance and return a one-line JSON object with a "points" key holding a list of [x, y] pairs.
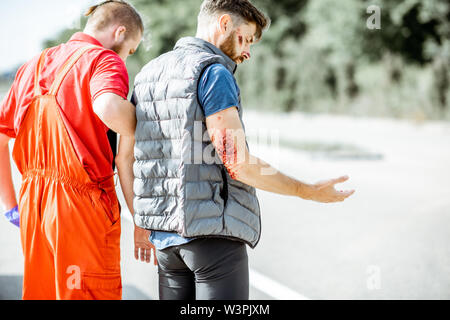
{"points": [[98, 71]]}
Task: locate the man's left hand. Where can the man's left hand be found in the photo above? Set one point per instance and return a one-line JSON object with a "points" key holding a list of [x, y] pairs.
{"points": [[142, 246]]}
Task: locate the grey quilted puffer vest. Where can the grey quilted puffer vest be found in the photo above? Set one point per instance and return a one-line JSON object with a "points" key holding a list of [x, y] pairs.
{"points": [[175, 189]]}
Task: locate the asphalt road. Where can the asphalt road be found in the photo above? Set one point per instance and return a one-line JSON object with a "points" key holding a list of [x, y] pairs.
{"points": [[390, 240]]}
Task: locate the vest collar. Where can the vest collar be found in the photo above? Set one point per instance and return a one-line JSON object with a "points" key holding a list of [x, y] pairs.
{"points": [[203, 45]]}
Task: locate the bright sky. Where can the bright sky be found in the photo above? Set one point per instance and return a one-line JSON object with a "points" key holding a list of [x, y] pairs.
{"points": [[25, 24]]}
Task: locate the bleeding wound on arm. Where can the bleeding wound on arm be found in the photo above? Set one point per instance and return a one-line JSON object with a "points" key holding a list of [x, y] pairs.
{"points": [[224, 141]]}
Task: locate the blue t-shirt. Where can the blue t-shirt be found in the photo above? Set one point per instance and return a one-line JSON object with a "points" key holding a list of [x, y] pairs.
{"points": [[217, 91]]}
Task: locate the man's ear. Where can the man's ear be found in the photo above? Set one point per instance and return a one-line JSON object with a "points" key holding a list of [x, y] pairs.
{"points": [[225, 23], [119, 34]]}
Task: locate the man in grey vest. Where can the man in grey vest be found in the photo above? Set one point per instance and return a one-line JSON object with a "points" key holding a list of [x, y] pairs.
{"points": [[194, 178]]}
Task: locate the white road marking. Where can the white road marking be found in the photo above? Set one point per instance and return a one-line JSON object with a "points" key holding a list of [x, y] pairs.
{"points": [[259, 281], [272, 288]]}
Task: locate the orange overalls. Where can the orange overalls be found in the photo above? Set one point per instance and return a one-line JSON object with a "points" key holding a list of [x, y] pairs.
{"points": [[70, 226]]}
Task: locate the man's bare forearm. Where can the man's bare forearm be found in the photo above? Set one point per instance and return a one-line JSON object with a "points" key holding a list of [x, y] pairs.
{"points": [[261, 175], [124, 162], [228, 137], [7, 193], [242, 166]]}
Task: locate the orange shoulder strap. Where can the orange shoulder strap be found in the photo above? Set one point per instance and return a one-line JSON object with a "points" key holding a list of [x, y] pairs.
{"points": [[66, 68]]}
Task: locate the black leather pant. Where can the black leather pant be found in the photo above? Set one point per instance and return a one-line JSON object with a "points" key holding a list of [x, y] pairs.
{"points": [[204, 269]]}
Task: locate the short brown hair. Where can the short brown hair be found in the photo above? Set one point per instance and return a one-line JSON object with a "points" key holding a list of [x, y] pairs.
{"points": [[241, 8], [115, 11]]}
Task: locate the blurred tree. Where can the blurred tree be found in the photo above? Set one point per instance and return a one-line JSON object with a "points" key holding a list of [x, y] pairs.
{"points": [[312, 56], [286, 26], [418, 31], [334, 30], [406, 27]]}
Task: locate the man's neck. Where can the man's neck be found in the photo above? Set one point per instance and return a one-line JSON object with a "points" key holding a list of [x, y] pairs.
{"points": [[97, 36], [208, 36]]}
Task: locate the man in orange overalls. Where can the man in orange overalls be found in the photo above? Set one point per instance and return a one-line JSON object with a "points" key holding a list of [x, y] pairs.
{"points": [[60, 108]]}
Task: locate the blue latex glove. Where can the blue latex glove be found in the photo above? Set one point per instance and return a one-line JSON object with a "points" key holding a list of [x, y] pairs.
{"points": [[13, 216]]}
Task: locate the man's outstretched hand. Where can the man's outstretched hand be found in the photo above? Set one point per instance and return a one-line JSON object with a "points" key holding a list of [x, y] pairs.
{"points": [[324, 191], [142, 246]]}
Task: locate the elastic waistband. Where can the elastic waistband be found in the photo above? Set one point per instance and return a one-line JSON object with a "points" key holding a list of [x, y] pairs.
{"points": [[106, 184]]}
